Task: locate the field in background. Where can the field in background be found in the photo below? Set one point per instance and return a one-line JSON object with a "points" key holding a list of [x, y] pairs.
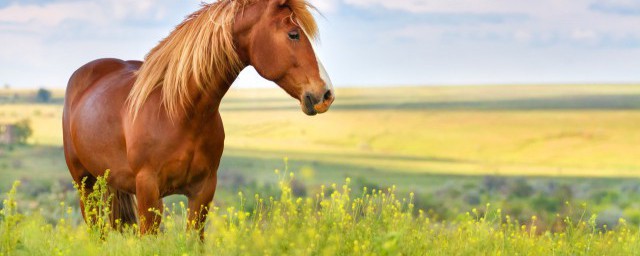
{"points": [[398, 135], [544, 151], [527, 130]]}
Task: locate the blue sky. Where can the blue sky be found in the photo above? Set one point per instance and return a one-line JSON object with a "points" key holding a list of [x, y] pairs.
{"points": [[363, 42]]}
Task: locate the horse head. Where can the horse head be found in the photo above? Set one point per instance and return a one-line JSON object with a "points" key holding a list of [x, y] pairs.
{"points": [[275, 37]]}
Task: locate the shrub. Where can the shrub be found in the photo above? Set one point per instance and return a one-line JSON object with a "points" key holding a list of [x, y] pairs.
{"points": [[23, 131], [43, 95]]}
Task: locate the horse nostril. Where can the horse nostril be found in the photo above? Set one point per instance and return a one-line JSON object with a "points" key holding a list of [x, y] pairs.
{"points": [[328, 95], [309, 101]]}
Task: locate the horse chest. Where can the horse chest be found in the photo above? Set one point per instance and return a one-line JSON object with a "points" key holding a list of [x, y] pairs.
{"points": [[186, 170]]}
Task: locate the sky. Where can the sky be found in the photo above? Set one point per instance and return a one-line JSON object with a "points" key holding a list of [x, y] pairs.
{"points": [[363, 42]]}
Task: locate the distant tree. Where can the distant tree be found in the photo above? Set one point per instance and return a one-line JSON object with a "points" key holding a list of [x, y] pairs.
{"points": [[7, 86], [23, 131], [43, 95]]}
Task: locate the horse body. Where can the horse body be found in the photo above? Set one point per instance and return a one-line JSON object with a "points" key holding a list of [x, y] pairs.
{"points": [[169, 157], [155, 124]]}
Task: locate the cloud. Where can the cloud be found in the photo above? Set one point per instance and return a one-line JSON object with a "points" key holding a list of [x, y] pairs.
{"points": [[364, 41], [584, 34], [54, 13], [456, 6], [123, 9], [51, 14], [541, 23], [61, 35], [325, 6], [621, 7]]}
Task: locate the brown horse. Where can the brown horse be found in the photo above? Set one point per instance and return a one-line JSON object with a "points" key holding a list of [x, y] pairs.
{"points": [[156, 125]]}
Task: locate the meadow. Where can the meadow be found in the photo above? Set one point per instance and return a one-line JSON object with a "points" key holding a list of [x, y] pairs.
{"points": [[376, 222], [566, 154]]}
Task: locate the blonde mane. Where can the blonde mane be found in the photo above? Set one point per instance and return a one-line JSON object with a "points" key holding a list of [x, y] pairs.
{"points": [[199, 55]]}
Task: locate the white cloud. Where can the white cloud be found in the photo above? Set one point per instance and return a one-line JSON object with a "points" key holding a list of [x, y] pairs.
{"points": [[523, 36], [97, 12], [547, 21], [325, 6], [622, 7], [584, 34], [63, 34], [143, 9], [456, 6], [51, 14]]}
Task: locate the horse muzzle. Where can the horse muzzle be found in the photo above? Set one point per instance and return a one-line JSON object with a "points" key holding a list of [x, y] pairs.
{"points": [[313, 104]]}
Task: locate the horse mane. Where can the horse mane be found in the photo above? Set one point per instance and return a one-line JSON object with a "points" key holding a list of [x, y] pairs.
{"points": [[199, 55]]}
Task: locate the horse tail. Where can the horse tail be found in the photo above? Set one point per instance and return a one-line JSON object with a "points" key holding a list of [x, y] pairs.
{"points": [[123, 209]]}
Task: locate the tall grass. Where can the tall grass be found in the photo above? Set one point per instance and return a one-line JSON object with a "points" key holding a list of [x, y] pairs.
{"points": [[331, 222]]}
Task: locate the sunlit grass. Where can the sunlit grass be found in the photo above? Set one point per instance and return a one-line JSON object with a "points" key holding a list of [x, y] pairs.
{"points": [[335, 221], [397, 141], [379, 128], [46, 121]]}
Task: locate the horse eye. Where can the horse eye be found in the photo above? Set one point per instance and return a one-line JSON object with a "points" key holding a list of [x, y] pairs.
{"points": [[294, 35]]}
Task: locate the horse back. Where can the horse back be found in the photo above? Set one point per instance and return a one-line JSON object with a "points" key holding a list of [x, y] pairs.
{"points": [[90, 73]]}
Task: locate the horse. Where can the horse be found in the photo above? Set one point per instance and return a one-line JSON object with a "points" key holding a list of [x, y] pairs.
{"points": [[156, 126]]}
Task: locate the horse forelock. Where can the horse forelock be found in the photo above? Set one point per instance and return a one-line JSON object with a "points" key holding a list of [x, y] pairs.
{"points": [[199, 55]]}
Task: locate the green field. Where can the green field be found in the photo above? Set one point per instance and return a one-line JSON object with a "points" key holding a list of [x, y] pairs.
{"points": [[376, 222], [541, 151], [387, 134], [411, 136]]}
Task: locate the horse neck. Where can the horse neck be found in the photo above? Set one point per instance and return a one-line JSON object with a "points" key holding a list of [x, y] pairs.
{"points": [[209, 102], [244, 22]]}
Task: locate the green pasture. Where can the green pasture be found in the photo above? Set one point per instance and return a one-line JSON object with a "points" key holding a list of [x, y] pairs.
{"points": [[558, 165], [334, 221], [403, 135], [527, 130]]}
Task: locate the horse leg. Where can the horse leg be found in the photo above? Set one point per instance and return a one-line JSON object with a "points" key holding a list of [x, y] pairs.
{"points": [[199, 205], [149, 202]]}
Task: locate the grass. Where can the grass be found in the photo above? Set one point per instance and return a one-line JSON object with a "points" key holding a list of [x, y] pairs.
{"points": [[392, 134], [587, 130], [456, 148], [31, 164], [566, 131], [335, 221], [46, 121]]}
